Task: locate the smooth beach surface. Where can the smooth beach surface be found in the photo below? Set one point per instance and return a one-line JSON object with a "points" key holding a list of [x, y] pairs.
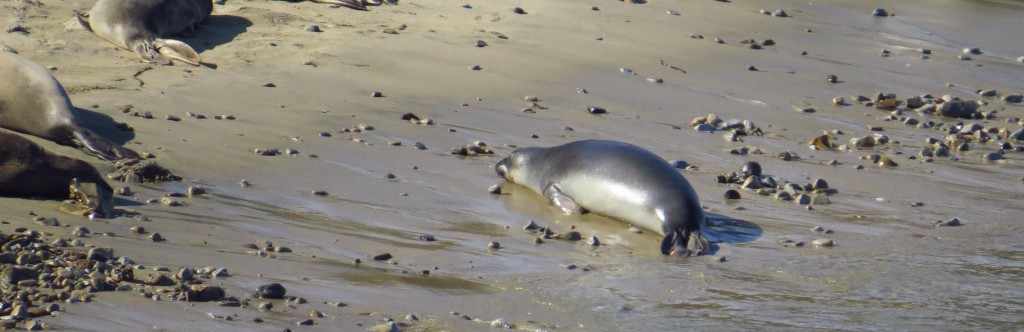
{"points": [[890, 268]]}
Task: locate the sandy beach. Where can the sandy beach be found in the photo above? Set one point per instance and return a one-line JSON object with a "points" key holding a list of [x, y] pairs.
{"points": [[469, 67]]}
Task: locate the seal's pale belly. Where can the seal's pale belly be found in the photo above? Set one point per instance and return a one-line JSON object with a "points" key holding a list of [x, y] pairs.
{"points": [[613, 199]]}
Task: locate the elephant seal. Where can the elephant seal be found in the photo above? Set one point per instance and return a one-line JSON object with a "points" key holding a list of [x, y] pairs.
{"points": [[617, 180], [138, 25], [27, 170], [33, 102]]}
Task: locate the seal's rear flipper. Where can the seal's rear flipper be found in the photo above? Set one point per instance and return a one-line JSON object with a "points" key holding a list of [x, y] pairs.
{"points": [[354, 4], [83, 19], [177, 50], [99, 147], [678, 244]]}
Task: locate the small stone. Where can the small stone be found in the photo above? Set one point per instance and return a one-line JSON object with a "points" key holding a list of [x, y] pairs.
{"points": [[832, 78], [195, 191], [494, 189], [270, 291], [383, 257], [947, 223], [823, 243], [518, 10], [880, 12], [172, 117], [305, 322], [155, 237], [972, 50], [494, 245], [313, 28], [780, 13], [802, 199], [596, 110], [593, 241], [480, 43], [500, 323], [732, 194], [376, 94], [531, 226]]}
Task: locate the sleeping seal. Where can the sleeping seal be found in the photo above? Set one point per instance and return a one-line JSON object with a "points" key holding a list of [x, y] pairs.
{"points": [[618, 180], [27, 170], [33, 102], [138, 25]]}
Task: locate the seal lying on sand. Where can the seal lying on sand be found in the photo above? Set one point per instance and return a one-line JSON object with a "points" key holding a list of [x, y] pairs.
{"points": [[138, 25], [618, 180], [27, 170], [33, 102]]}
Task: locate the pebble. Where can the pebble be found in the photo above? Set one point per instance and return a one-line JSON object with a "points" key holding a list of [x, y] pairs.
{"points": [[972, 50], [596, 110], [313, 28], [593, 241], [270, 291], [880, 12], [832, 78], [383, 257], [494, 245], [480, 43], [155, 237], [780, 13], [519, 10], [948, 223], [475, 67], [494, 189], [751, 168], [377, 94], [823, 243], [428, 238], [500, 323], [172, 117]]}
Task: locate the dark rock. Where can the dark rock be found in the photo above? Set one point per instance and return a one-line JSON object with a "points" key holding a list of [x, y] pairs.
{"points": [[270, 291]]}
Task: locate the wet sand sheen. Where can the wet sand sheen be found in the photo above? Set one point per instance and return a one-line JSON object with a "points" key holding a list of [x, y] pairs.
{"points": [[890, 269]]}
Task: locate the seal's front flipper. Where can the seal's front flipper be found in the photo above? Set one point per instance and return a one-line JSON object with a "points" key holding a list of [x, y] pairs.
{"points": [[354, 4], [147, 52], [556, 197], [83, 19], [177, 50], [99, 147]]}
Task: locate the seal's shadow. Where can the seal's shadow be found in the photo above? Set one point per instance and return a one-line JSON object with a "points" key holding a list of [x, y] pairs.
{"points": [[217, 30], [104, 125], [723, 229]]}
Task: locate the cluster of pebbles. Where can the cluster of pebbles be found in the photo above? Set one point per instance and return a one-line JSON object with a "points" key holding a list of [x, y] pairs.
{"points": [[959, 135], [471, 150], [545, 233], [140, 171], [37, 276], [750, 178], [735, 129]]}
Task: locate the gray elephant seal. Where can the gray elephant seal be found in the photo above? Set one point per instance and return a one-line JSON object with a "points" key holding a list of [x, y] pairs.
{"points": [[617, 180], [27, 170], [139, 25], [33, 102]]}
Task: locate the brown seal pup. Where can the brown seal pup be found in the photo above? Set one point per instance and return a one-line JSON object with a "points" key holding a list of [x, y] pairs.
{"points": [[139, 25], [27, 170], [618, 180], [33, 102]]}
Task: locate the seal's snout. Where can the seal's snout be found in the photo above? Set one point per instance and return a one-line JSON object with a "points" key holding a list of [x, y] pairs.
{"points": [[502, 168]]}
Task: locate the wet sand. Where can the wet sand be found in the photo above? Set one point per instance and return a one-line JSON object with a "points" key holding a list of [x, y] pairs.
{"points": [[890, 268]]}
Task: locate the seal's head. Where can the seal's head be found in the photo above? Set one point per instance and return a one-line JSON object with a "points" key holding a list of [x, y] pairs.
{"points": [[514, 167], [90, 199]]}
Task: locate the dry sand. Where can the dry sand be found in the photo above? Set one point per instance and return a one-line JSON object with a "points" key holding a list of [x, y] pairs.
{"points": [[889, 269]]}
